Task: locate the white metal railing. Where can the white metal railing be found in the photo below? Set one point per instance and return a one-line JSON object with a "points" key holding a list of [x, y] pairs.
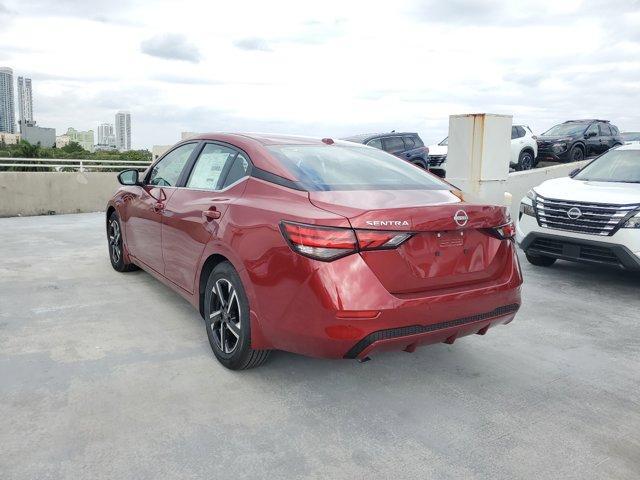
{"points": [[69, 164]]}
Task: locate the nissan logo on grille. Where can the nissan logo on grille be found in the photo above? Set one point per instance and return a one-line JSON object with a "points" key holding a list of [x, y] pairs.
{"points": [[461, 218], [574, 213]]}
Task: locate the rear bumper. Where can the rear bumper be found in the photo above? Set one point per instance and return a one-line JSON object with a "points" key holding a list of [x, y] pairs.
{"points": [[408, 338], [314, 322]]}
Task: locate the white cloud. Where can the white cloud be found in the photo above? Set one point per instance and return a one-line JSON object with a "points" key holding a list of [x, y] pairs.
{"points": [[171, 47], [342, 69]]}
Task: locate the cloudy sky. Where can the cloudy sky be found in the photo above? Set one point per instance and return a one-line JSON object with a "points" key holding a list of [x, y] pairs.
{"points": [[330, 68]]}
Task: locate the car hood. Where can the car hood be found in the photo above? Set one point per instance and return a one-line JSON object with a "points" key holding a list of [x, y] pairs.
{"points": [[438, 149], [555, 138], [567, 188]]}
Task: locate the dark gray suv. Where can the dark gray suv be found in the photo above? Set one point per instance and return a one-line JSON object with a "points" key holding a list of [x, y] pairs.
{"points": [[406, 145]]}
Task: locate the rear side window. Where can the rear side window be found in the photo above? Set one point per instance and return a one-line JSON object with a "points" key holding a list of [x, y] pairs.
{"points": [[375, 143], [517, 132], [338, 167], [605, 130], [614, 129], [418, 141], [393, 144], [167, 171], [238, 170], [208, 168], [592, 128], [408, 142]]}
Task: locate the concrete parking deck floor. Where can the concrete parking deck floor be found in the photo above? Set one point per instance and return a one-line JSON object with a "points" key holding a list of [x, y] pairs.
{"points": [[108, 375]]}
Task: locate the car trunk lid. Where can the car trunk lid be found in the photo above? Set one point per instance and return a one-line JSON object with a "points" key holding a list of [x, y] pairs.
{"points": [[449, 248]]}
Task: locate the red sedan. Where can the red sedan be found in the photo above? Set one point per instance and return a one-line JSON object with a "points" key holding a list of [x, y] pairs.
{"points": [[319, 247]]}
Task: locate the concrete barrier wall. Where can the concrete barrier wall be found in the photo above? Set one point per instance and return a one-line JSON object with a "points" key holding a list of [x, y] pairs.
{"points": [[40, 193], [519, 183]]}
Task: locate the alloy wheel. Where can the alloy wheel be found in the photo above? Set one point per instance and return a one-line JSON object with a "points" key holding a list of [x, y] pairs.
{"points": [[115, 241], [577, 155], [225, 316], [526, 162]]}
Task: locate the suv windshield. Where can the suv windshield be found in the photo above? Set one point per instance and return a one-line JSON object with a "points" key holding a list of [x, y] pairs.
{"points": [[339, 167], [444, 142], [631, 136], [566, 129], [613, 166]]}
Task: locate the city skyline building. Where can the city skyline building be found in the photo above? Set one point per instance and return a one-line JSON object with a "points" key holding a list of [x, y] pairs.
{"points": [[7, 109], [25, 103], [85, 139], [123, 130], [106, 135]]}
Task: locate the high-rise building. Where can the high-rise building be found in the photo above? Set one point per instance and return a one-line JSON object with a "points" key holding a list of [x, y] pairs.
{"points": [[85, 139], [123, 131], [25, 102], [106, 136], [7, 112]]}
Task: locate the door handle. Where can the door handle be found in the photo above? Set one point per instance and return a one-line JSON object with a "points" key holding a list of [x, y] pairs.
{"points": [[158, 207], [211, 214]]}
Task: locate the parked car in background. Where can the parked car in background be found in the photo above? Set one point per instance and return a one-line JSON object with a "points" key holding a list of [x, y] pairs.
{"points": [[405, 145], [319, 247], [592, 216], [575, 140], [631, 137], [524, 150], [438, 157]]}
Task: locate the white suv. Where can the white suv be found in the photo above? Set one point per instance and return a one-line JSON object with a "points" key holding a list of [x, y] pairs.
{"points": [[524, 151], [592, 216]]}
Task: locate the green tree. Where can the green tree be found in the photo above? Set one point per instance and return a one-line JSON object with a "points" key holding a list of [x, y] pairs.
{"points": [[26, 150], [143, 155], [74, 147]]}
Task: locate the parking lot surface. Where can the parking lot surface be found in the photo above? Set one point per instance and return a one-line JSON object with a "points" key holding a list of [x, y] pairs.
{"points": [[109, 375]]}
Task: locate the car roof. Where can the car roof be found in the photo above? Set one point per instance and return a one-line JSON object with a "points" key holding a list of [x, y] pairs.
{"points": [[587, 120], [364, 137], [263, 138], [256, 146]]}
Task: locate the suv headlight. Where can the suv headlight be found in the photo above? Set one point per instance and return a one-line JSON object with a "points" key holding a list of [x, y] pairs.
{"points": [[525, 207], [633, 222]]}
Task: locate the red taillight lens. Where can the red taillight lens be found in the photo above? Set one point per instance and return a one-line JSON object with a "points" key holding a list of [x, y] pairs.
{"points": [[503, 232], [321, 243], [377, 240], [331, 243]]}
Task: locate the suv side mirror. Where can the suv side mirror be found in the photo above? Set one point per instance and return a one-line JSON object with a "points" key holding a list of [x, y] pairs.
{"points": [[129, 177], [590, 134]]}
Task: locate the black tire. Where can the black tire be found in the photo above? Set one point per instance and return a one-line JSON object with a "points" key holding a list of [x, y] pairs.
{"points": [[116, 245], [540, 260], [420, 163], [525, 160], [576, 154], [226, 317]]}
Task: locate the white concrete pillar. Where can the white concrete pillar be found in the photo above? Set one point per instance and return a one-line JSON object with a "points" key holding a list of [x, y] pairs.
{"points": [[478, 155]]}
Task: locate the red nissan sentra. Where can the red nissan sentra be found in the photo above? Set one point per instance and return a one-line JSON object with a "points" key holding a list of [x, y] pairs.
{"points": [[319, 247]]}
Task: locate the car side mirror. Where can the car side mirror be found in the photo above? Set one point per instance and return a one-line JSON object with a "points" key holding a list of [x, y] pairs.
{"points": [[589, 134], [129, 177], [574, 172]]}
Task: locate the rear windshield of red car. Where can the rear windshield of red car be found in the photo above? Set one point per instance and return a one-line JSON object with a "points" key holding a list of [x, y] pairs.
{"points": [[338, 167]]}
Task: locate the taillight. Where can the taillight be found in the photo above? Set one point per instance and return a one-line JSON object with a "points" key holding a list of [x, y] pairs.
{"points": [[330, 243], [503, 232], [321, 243], [378, 240]]}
